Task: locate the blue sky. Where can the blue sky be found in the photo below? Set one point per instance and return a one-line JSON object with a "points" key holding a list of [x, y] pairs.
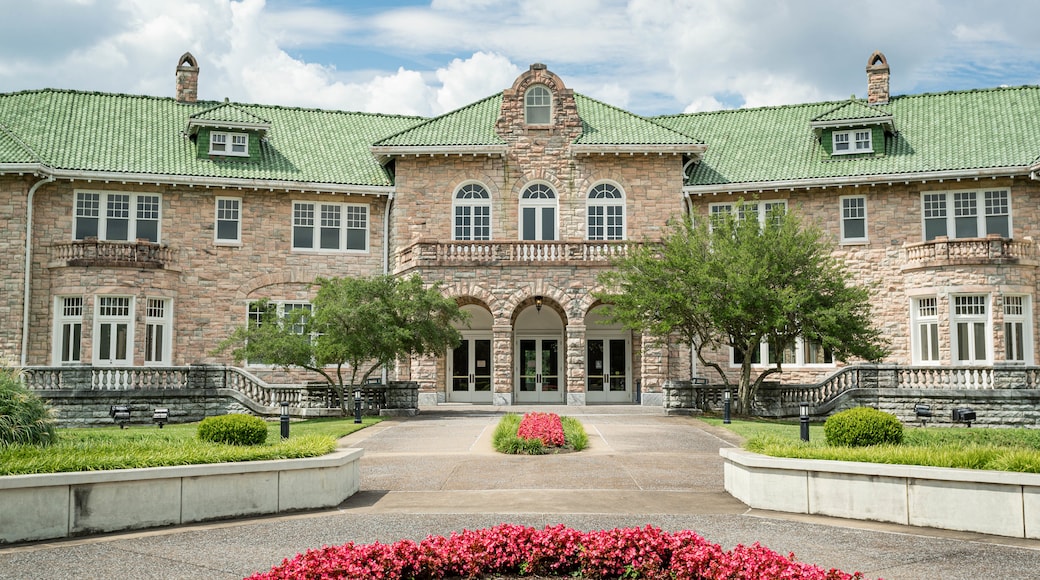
{"points": [[428, 57]]}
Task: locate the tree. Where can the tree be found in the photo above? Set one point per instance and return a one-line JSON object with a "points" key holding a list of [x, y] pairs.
{"points": [[362, 324], [735, 282]]}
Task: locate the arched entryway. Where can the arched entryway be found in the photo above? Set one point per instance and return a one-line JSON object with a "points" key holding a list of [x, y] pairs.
{"points": [[538, 355], [470, 364], [608, 360]]}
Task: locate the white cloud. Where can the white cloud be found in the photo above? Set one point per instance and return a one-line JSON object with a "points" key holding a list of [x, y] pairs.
{"points": [[464, 81]]}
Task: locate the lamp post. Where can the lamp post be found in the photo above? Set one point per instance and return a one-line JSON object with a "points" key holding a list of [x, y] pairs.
{"points": [[357, 404], [803, 419], [725, 406], [285, 420]]}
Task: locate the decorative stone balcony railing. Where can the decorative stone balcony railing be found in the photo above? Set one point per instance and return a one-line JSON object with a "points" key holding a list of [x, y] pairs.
{"points": [[993, 249], [430, 253], [93, 252]]}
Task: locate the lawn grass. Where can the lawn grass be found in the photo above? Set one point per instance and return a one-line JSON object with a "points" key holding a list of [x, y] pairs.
{"points": [[102, 448], [995, 449], [505, 439]]}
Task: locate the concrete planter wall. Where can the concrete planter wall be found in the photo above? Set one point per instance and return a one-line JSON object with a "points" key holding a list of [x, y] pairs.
{"points": [[39, 507], [988, 502]]}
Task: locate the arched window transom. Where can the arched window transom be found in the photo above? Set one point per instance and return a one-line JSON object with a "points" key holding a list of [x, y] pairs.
{"points": [[538, 106], [538, 213], [606, 211], [472, 213]]}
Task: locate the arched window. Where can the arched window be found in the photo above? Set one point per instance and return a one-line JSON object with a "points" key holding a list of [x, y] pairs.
{"points": [[538, 213], [606, 211], [538, 106], [472, 211]]}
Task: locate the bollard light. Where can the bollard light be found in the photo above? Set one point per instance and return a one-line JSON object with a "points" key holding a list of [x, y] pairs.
{"points": [[357, 404], [285, 420], [725, 406], [120, 414], [803, 419], [161, 416]]}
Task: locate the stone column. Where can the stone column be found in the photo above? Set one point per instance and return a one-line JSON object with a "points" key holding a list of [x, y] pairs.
{"points": [[502, 349], [575, 364]]}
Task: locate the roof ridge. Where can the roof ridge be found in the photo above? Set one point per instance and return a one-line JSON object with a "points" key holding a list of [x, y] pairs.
{"points": [[650, 120], [18, 140], [431, 120]]}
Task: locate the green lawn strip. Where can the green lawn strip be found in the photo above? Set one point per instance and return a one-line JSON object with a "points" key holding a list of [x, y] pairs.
{"points": [[993, 449], [101, 448], [505, 439]]}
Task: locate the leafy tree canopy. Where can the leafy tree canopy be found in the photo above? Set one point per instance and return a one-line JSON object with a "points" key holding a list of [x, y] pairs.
{"points": [[738, 282], [356, 325]]}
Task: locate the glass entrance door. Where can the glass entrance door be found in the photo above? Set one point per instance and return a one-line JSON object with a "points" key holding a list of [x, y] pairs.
{"points": [[607, 377], [470, 372], [538, 375]]}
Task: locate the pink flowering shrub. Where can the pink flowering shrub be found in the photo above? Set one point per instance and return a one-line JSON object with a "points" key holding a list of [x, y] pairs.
{"points": [[554, 551], [545, 426]]}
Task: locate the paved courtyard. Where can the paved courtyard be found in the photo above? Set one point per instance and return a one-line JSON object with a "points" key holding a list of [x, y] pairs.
{"points": [[437, 473]]}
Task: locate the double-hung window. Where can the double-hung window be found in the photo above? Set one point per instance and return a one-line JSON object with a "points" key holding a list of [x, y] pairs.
{"points": [[758, 210], [330, 226], [228, 227], [925, 330], [802, 352], [223, 143], [1018, 335], [117, 216], [854, 219], [472, 213], [966, 214], [848, 142], [606, 213], [971, 328], [68, 329], [158, 329], [114, 330]]}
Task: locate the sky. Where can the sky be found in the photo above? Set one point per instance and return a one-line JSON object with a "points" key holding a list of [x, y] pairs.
{"points": [[651, 57]]}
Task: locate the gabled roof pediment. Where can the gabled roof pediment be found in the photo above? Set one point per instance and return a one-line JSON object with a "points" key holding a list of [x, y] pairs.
{"points": [[227, 116], [853, 113]]}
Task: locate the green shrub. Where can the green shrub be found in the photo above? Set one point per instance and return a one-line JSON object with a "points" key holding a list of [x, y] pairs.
{"points": [[24, 417], [862, 426], [235, 429]]}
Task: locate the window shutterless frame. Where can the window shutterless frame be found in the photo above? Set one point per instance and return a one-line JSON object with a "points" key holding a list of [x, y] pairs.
{"points": [[329, 227], [853, 219], [117, 216], [966, 214], [227, 227], [225, 143]]}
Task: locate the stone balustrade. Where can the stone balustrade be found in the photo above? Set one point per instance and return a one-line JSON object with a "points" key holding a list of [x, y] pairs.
{"points": [[93, 252], [434, 253], [993, 249]]}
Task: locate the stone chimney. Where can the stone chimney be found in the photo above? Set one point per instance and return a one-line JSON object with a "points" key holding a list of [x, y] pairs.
{"points": [[187, 79], [877, 79]]}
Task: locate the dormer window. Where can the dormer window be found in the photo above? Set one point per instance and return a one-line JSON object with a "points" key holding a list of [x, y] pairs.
{"points": [[849, 142], [221, 143], [538, 106]]}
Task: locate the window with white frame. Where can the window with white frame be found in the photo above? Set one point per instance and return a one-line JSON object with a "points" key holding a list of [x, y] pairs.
{"points": [[117, 216], [758, 210], [1018, 331], [263, 312], [113, 330], [966, 214], [330, 226], [228, 227], [224, 143], [538, 106], [158, 328], [970, 324], [538, 213], [925, 329], [606, 212], [854, 219], [472, 212], [854, 141], [802, 352], [68, 329]]}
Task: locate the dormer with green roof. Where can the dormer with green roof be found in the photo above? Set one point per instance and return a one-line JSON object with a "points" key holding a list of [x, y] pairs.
{"points": [[227, 132], [854, 128]]}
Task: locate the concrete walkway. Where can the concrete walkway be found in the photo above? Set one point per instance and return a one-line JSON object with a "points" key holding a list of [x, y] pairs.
{"points": [[437, 473]]}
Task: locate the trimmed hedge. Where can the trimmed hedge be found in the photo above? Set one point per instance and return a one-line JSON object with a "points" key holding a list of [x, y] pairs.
{"points": [[235, 429], [862, 426]]}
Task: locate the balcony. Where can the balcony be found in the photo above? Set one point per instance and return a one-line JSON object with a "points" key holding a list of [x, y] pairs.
{"points": [[991, 250], [97, 253], [511, 253]]}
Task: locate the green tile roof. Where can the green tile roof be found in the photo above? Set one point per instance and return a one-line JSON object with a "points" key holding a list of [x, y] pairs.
{"points": [[853, 109], [603, 124], [228, 113], [12, 150], [111, 133], [939, 132]]}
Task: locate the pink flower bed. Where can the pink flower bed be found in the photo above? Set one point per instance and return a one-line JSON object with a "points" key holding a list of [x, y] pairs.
{"points": [[555, 551], [544, 426]]}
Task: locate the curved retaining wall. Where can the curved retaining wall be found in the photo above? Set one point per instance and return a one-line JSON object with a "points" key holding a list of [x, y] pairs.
{"points": [[988, 502], [40, 507]]}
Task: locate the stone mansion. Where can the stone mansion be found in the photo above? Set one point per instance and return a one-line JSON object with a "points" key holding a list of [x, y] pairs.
{"points": [[139, 231]]}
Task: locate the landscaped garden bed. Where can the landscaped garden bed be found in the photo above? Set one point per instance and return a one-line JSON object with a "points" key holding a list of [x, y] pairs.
{"points": [[513, 551], [538, 434]]}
